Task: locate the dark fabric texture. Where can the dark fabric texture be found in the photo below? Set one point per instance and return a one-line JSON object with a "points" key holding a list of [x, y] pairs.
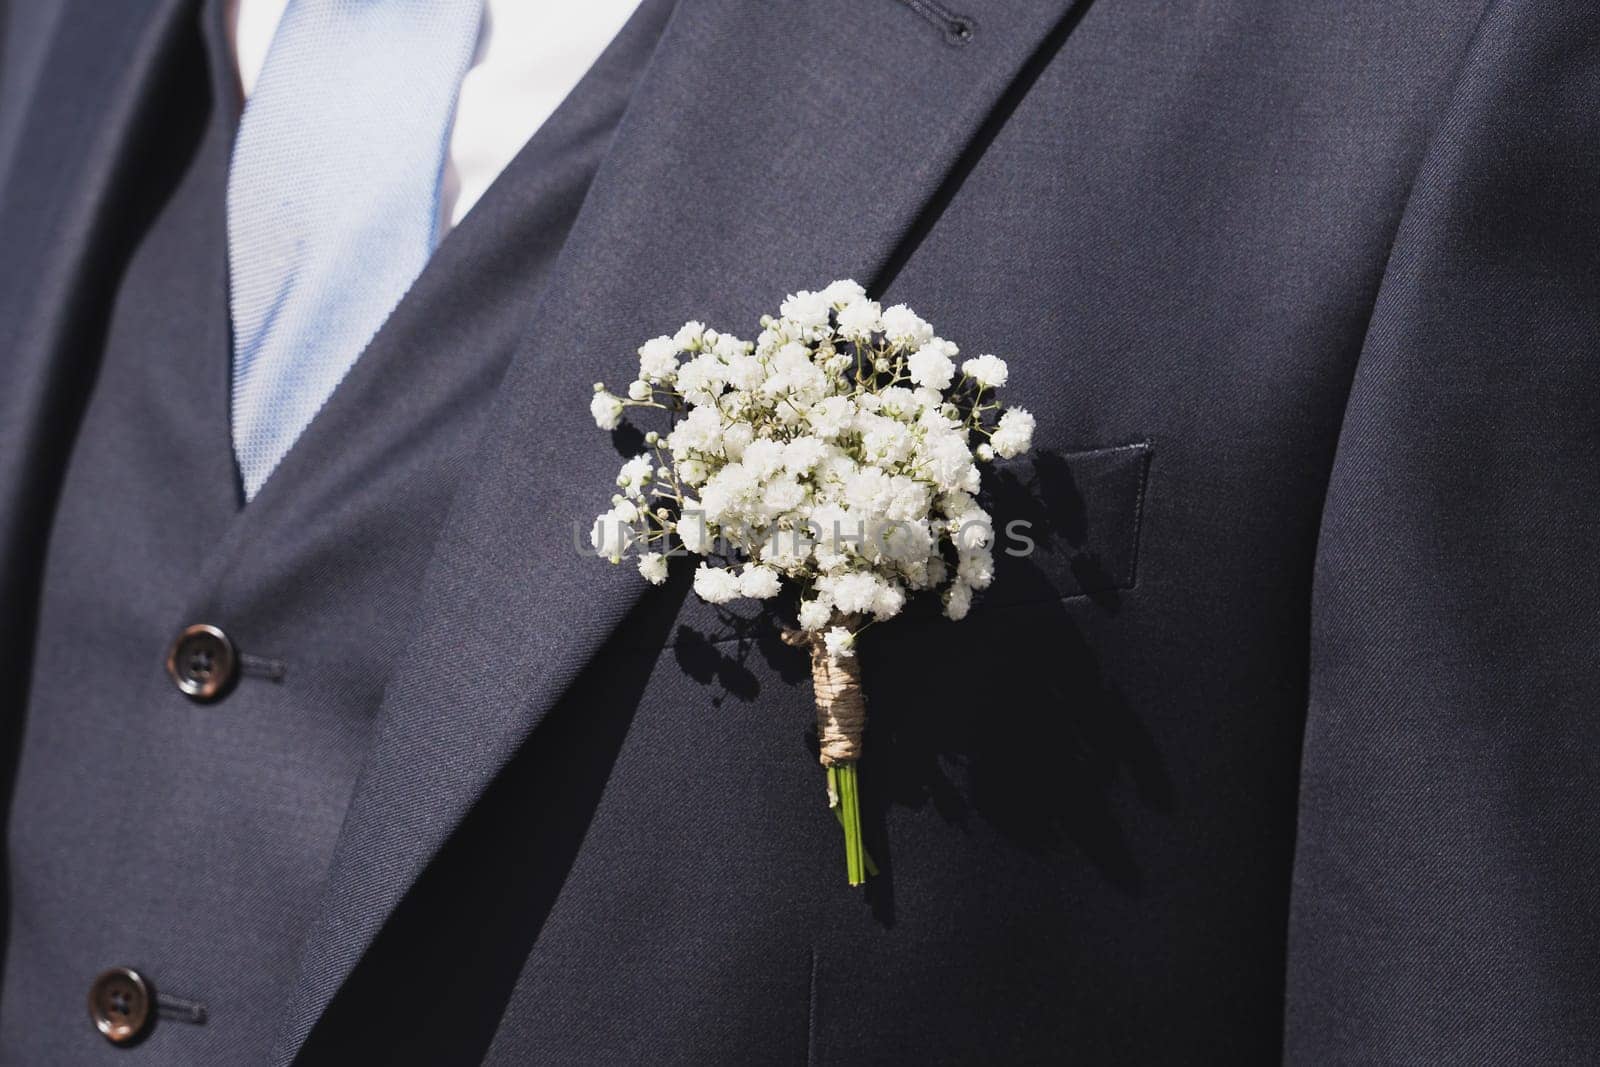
{"points": [[25, 31], [1301, 295], [1444, 883]]}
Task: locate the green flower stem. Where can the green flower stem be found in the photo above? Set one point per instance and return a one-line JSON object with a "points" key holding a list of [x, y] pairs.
{"points": [[872, 868], [845, 797]]}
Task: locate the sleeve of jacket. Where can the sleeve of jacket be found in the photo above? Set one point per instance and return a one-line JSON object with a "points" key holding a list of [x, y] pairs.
{"points": [[1446, 897]]}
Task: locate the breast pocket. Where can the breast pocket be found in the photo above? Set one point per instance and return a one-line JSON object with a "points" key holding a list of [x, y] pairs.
{"points": [[1067, 523]]}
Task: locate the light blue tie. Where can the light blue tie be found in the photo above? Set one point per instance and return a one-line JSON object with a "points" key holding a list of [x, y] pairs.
{"points": [[333, 199]]}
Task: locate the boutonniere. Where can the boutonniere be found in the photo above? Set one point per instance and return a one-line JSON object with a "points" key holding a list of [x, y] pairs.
{"points": [[838, 453]]}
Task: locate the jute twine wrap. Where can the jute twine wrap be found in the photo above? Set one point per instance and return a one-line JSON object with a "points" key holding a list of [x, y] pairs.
{"points": [[841, 706]]}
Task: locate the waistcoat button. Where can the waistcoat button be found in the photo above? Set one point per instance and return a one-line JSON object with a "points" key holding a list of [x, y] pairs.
{"points": [[202, 662], [119, 1004]]}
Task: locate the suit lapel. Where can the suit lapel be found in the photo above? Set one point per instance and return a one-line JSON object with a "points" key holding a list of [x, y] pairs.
{"points": [[769, 147]]}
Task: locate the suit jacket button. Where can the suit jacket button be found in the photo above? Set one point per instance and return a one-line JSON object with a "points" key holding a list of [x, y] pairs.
{"points": [[202, 662], [119, 1004]]}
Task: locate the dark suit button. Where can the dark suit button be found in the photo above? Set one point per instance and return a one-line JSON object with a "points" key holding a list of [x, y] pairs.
{"points": [[202, 662], [119, 1004]]}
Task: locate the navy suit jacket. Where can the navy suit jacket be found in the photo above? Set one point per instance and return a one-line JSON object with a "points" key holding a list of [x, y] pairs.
{"points": [[1283, 744]]}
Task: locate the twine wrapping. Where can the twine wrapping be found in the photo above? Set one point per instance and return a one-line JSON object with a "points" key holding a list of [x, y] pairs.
{"points": [[841, 705]]}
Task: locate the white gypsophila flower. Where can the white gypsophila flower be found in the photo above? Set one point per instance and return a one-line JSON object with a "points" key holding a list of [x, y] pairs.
{"points": [[806, 310], [692, 529], [839, 642], [988, 371], [635, 473], [905, 542], [727, 493], [715, 585], [658, 359], [836, 529], [908, 500], [838, 451], [814, 614], [957, 601], [854, 592], [887, 604], [735, 438], [782, 495], [693, 472], [758, 582], [949, 462], [803, 453], [702, 379], [607, 410], [835, 469], [831, 416], [843, 291], [726, 346], [763, 457], [653, 566], [976, 568], [971, 529], [745, 373], [932, 365], [613, 532], [786, 550], [956, 503], [860, 320], [904, 326], [917, 575], [699, 431], [867, 490], [898, 402], [795, 377], [1014, 435], [689, 336], [835, 364]]}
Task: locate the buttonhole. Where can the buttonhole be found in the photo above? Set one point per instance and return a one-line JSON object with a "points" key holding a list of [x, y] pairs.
{"points": [[957, 29], [266, 667], [180, 1009]]}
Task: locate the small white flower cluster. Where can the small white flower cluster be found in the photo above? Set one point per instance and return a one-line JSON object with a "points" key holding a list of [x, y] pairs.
{"points": [[835, 451]]}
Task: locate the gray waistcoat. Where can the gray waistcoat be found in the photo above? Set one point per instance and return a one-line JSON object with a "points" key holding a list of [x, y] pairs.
{"points": [[189, 840]]}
